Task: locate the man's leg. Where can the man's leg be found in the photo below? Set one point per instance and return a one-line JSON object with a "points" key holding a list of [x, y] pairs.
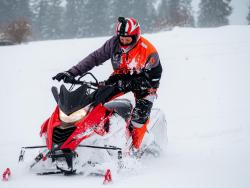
{"points": [[140, 119]]}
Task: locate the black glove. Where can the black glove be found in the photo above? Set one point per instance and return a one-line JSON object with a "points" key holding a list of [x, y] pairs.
{"points": [[67, 77], [117, 80], [140, 82], [99, 84]]}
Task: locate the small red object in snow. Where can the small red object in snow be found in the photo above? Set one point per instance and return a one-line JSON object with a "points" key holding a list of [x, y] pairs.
{"points": [[107, 177], [44, 158], [6, 174]]}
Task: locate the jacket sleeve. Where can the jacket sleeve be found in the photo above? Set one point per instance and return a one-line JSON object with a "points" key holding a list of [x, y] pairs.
{"points": [[96, 58], [153, 69]]}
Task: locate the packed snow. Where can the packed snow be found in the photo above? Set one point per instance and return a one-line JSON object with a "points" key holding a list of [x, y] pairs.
{"points": [[204, 93]]}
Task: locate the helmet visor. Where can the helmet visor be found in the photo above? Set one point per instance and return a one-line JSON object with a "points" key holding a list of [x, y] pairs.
{"points": [[127, 40]]}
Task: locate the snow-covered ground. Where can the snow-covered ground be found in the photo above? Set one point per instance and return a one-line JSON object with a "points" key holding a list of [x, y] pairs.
{"points": [[204, 92]]}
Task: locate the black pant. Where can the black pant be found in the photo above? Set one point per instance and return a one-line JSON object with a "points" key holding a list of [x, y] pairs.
{"points": [[142, 109]]}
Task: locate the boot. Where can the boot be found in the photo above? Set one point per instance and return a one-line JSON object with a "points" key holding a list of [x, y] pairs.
{"points": [[138, 135]]}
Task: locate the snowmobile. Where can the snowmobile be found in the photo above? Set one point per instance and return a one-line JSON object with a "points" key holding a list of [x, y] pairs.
{"points": [[86, 123]]}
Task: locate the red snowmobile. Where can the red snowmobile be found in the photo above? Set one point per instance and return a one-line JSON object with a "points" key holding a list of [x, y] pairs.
{"points": [[88, 119]]}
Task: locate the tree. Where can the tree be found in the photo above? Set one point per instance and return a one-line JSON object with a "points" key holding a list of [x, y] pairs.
{"points": [[175, 13], [13, 10], [248, 17], [145, 13], [42, 20], [97, 19], [18, 31], [5, 6], [162, 19], [174, 17], [75, 18], [186, 13], [119, 8], [55, 20], [214, 13], [15, 19]]}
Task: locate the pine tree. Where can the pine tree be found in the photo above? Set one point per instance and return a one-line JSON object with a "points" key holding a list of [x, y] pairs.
{"points": [[75, 19], [248, 17], [42, 20], [162, 19], [5, 11], [21, 10], [175, 13], [187, 13], [119, 8], [87, 18], [97, 20], [145, 13], [214, 13], [55, 19], [14, 10]]}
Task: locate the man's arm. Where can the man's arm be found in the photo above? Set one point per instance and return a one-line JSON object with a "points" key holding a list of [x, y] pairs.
{"points": [[153, 69], [94, 59]]}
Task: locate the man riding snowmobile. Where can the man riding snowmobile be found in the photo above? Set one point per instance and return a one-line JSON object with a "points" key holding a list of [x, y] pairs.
{"points": [[137, 68]]}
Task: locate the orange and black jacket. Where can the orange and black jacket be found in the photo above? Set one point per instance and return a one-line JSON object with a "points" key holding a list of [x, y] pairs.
{"points": [[142, 58]]}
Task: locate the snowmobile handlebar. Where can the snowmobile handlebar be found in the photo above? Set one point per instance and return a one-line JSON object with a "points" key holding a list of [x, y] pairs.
{"points": [[78, 81]]}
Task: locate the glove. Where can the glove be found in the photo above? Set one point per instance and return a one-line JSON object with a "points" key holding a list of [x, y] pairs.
{"points": [[67, 77], [119, 81], [140, 82], [99, 84]]}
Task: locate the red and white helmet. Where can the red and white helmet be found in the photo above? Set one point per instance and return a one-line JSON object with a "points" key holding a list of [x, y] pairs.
{"points": [[128, 27]]}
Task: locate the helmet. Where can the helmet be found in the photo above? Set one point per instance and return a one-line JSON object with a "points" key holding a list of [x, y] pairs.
{"points": [[128, 27]]}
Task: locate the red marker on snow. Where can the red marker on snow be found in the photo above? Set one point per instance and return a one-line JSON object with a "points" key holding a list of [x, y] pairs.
{"points": [[107, 177], [44, 158], [6, 174]]}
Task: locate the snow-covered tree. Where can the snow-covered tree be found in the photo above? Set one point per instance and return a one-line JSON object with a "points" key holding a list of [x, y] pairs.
{"points": [[214, 13]]}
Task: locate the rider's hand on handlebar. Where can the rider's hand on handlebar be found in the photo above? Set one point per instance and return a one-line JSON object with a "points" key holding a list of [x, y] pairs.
{"points": [[67, 77], [102, 84]]}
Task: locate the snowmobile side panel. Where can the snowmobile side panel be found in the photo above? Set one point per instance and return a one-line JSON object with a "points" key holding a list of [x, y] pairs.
{"points": [[122, 107], [94, 121], [44, 127]]}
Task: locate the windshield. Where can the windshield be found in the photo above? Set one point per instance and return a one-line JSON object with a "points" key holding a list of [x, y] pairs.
{"points": [[70, 101]]}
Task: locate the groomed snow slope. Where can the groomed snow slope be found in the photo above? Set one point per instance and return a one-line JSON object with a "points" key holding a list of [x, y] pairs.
{"points": [[204, 92]]}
